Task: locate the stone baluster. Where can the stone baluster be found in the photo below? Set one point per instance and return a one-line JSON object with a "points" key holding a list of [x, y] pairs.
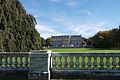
{"points": [[71, 62], [95, 63], [65, 62], [119, 63], [83, 62], [15, 63], [101, 63], [77, 62], [89, 63], [5, 61], [20, 63], [29, 62], [26, 62], [107, 62], [59, 62], [10, 62], [53, 62], [62, 60], [114, 63], [1, 62]]}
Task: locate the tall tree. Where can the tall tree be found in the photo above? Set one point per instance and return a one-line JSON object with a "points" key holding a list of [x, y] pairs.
{"points": [[17, 28]]}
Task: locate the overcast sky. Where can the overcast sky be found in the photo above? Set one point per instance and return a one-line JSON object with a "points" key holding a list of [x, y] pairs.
{"points": [[68, 17]]}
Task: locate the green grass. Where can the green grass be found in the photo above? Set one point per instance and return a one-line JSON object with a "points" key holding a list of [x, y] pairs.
{"points": [[82, 50]]}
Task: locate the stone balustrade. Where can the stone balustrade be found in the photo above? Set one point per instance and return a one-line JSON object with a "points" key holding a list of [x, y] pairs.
{"points": [[14, 61], [44, 65], [85, 61], [85, 64]]}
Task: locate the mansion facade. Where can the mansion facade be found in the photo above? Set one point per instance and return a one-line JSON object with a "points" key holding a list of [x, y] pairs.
{"points": [[66, 41]]}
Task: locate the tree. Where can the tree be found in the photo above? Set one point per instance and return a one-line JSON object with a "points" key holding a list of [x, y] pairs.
{"points": [[43, 42], [90, 42], [84, 44], [48, 42], [18, 28], [107, 39]]}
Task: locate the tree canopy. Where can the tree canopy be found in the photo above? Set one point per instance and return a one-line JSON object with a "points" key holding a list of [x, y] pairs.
{"points": [[107, 39], [17, 28]]}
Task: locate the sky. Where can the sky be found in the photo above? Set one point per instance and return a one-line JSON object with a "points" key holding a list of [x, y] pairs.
{"points": [[73, 17]]}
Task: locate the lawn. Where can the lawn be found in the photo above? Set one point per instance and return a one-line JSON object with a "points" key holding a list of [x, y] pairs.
{"points": [[82, 50]]}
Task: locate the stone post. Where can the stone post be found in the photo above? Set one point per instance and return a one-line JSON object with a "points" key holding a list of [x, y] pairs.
{"points": [[39, 65]]}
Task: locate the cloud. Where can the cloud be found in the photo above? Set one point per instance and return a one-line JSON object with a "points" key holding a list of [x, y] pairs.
{"points": [[45, 28], [55, 0], [36, 16], [46, 31], [67, 2], [76, 2], [72, 2], [87, 13], [62, 19], [88, 30]]}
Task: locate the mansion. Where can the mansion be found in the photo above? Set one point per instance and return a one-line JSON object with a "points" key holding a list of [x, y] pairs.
{"points": [[66, 41]]}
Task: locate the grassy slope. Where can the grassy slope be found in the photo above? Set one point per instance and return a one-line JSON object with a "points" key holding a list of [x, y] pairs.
{"points": [[82, 50]]}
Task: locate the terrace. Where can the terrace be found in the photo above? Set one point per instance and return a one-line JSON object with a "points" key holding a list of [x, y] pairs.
{"points": [[39, 65]]}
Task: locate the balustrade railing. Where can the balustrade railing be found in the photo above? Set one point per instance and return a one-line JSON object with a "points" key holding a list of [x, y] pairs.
{"points": [[85, 61], [14, 61], [85, 64], [43, 65]]}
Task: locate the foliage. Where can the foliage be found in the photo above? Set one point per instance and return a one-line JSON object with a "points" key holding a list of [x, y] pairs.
{"points": [[107, 39], [17, 28], [84, 43], [48, 41], [43, 42]]}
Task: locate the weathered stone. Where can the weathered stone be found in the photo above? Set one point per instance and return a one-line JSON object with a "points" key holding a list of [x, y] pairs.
{"points": [[39, 65]]}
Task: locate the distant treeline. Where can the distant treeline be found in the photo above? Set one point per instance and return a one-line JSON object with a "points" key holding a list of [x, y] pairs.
{"points": [[46, 42], [105, 39]]}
